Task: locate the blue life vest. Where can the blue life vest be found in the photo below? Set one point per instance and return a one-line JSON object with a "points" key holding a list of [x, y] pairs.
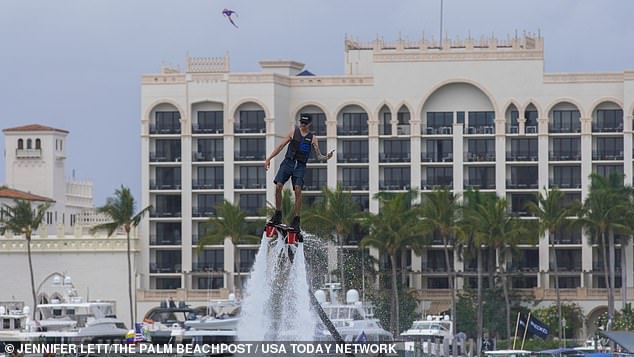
{"points": [[299, 147]]}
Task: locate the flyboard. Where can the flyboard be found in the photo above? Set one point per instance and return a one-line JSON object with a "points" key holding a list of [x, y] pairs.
{"points": [[292, 238]]}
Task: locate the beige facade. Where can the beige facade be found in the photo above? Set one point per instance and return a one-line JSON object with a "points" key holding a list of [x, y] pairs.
{"points": [[474, 113]]}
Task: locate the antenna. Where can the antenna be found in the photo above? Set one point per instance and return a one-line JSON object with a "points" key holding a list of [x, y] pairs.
{"points": [[440, 38]]}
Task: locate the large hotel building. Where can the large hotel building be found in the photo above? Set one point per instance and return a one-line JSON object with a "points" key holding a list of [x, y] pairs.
{"points": [[473, 113]]}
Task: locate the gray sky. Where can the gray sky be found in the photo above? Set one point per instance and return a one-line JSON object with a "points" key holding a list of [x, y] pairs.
{"points": [[76, 64]]}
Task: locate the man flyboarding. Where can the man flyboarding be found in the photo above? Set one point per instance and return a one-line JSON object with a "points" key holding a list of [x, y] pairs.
{"points": [[299, 140]]}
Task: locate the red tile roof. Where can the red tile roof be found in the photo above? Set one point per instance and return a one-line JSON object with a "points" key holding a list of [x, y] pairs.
{"points": [[35, 127], [6, 192]]}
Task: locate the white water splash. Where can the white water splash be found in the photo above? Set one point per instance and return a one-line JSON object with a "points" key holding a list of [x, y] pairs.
{"points": [[276, 305]]}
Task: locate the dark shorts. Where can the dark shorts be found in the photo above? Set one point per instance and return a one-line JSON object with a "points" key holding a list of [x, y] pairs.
{"points": [[292, 169]]}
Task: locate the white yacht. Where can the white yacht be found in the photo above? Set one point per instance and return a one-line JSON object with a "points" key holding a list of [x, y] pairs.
{"points": [[354, 320], [220, 315], [14, 318], [169, 323], [435, 329], [76, 320]]}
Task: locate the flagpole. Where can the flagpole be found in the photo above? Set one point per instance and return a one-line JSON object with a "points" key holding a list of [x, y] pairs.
{"points": [[517, 325], [528, 320]]}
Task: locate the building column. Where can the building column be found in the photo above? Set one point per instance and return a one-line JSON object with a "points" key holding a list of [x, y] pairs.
{"points": [[373, 162], [415, 152], [230, 273], [458, 159], [500, 157], [586, 170], [415, 277], [186, 203], [543, 175], [628, 146], [331, 139]]}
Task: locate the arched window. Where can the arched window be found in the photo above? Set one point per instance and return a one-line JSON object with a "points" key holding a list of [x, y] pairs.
{"points": [[29, 144], [20, 144], [38, 144]]}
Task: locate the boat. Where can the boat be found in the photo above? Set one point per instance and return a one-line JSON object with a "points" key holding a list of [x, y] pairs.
{"points": [[169, 323], [76, 320], [220, 315], [435, 329], [354, 320], [14, 318], [508, 353]]}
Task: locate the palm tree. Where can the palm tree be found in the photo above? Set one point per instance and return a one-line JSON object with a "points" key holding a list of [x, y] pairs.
{"points": [[335, 215], [440, 212], [392, 230], [552, 216], [120, 209], [499, 230], [602, 215], [229, 222], [473, 241], [22, 219]]}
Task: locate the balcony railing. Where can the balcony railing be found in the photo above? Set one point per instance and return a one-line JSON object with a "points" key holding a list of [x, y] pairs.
{"points": [[439, 183], [394, 185], [314, 186], [521, 156], [512, 129], [355, 130], [28, 153], [352, 158], [203, 129], [598, 267], [394, 157], [436, 157], [481, 184], [564, 129], [562, 268], [565, 184], [249, 156], [249, 129], [207, 156], [217, 267], [524, 269], [165, 185], [355, 185], [203, 211], [164, 129], [604, 128], [165, 213], [438, 130], [479, 157], [164, 157], [564, 155], [565, 239], [249, 183], [165, 240], [521, 185], [483, 129], [207, 184], [403, 129], [435, 269], [607, 155], [165, 268]]}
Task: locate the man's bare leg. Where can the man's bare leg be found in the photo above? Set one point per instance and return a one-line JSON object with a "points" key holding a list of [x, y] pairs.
{"points": [[298, 200]]}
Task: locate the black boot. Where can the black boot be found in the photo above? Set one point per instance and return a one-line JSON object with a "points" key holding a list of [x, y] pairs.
{"points": [[277, 218], [295, 223]]}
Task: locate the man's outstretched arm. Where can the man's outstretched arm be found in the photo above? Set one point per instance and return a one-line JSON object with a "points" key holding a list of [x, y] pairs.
{"points": [[320, 156], [278, 149]]}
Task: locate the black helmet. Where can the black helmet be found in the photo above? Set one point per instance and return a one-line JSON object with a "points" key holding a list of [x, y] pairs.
{"points": [[305, 119]]}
